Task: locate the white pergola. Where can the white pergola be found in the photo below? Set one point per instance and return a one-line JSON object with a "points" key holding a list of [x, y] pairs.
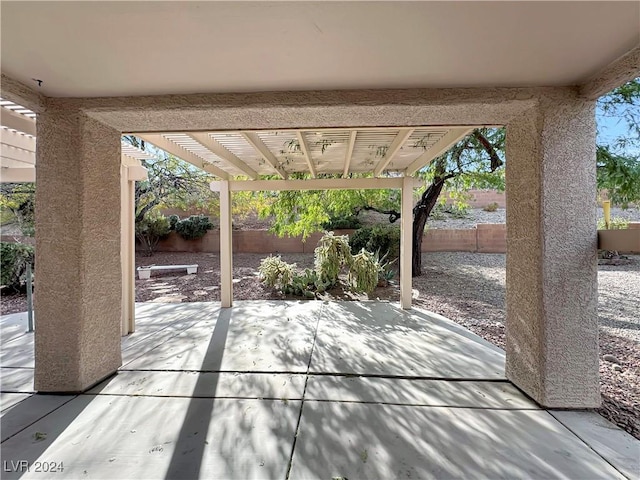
{"points": [[329, 158]]}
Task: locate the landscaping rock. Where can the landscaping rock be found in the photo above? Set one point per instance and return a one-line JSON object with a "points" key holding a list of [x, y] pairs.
{"points": [[610, 359]]}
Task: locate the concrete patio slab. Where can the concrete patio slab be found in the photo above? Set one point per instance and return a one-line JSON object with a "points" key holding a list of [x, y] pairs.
{"points": [[254, 336], [30, 410], [381, 441], [16, 380], [212, 393], [13, 326], [373, 338], [472, 394], [618, 447], [10, 399], [18, 352], [203, 384], [111, 437]]}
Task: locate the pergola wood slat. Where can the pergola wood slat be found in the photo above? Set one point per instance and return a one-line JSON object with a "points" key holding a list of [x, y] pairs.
{"points": [[441, 146], [174, 149], [255, 141], [347, 161], [211, 144], [396, 145], [304, 148]]}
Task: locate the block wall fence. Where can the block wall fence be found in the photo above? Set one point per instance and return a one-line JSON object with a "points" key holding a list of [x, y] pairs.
{"points": [[486, 238]]}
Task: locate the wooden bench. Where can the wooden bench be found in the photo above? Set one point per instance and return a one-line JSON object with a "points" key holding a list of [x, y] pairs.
{"points": [[145, 272]]}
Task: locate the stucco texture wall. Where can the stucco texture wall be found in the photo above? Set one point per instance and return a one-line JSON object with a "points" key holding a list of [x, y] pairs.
{"points": [[552, 331], [77, 342]]}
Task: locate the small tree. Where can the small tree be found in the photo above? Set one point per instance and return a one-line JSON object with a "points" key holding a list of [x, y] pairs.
{"points": [[150, 230]]}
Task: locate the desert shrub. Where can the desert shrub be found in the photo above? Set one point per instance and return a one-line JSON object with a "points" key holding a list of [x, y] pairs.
{"points": [[342, 222], [150, 230], [193, 227], [331, 254], [381, 239], [616, 223], [275, 272], [14, 260], [492, 207], [363, 272]]}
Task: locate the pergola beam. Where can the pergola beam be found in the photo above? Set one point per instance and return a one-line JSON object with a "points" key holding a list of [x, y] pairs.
{"points": [[17, 121], [174, 149], [316, 184], [17, 175], [256, 142], [395, 146], [17, 154], [304, 148], [17, 140], [349, 155], [211, 144], [441, 146]]}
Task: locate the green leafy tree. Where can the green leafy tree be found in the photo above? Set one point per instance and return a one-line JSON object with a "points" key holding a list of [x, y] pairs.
{"points": [[475, 161], [618, 159], [17, 202]]}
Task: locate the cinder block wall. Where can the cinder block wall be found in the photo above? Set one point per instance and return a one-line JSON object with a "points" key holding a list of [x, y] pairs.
{"points": [[486, 238]]}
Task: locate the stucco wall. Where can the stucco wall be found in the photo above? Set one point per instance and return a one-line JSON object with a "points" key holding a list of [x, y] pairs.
{"points": [[552, 331], [486, 238], [77, 341]]}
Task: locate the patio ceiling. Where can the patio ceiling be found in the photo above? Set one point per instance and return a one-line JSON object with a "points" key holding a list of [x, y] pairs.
{"points": [[93, 49], [334, 151]]}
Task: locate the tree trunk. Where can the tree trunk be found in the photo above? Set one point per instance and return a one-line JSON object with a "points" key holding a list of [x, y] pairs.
{"points": [[421, 212]]}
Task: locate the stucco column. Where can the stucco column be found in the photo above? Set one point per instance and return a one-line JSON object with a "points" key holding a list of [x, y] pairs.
{"points": [[552, 323], [78, 268]]}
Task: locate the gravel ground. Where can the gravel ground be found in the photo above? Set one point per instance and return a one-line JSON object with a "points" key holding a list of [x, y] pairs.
{"points": [[468, 288]]}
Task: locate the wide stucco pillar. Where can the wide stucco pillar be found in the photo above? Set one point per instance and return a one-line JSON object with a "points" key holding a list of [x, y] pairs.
{"points": [[79, 295], [552, 323]]}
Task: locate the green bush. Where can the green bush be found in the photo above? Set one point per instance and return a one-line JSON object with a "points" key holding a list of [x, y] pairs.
{"points": [[616, 223], [14, 260], [342, 222], [150, 230], [173, 221], [381, 239], [193, 227]]}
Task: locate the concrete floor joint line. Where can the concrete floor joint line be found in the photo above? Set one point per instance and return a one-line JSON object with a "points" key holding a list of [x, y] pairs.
{"points": [[304, 391], [39, 418], [598, 453]]}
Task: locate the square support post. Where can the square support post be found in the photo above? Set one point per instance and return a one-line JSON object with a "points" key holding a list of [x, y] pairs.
{"points": [[226, 246], [552, 321], [79, 300], [127, 249], [406, 242]]}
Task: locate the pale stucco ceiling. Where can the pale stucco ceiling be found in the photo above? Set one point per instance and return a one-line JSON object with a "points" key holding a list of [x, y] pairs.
{"points": [[134, 48]]}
